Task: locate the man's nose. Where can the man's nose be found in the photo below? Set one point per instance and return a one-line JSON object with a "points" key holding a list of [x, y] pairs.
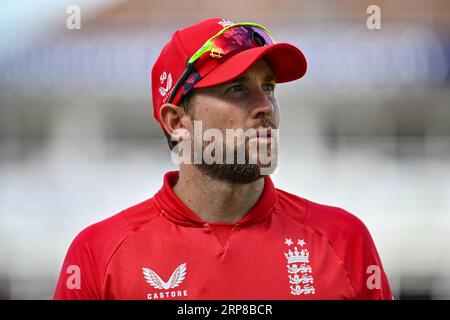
{"points": [[262, 105]]}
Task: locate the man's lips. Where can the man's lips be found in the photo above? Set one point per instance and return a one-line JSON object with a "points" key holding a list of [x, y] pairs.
{"points": [[262, 134]]}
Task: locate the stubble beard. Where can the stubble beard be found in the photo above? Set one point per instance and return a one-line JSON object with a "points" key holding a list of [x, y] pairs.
{"points": [[239, 173]]}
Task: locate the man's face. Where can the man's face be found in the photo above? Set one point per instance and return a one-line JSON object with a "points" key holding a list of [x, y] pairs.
{"points": [[246, 103]]}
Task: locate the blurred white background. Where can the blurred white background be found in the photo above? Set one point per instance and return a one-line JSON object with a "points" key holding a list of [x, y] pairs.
{"points": [[367, 129]]}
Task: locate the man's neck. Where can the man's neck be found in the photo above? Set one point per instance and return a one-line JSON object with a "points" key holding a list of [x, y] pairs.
{"points": [[214, 200]]}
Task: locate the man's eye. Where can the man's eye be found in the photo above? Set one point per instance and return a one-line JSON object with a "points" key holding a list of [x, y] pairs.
{"points": [[236, 88], [269, 87]]}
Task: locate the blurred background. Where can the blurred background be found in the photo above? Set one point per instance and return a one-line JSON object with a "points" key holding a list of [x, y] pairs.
{"points": [[367, 129]]}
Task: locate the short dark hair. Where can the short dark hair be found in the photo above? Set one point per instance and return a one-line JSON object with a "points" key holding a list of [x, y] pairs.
{"points": [[185, 102]]}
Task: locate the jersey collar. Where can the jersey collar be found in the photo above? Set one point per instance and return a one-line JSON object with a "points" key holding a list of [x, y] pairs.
{"points": [[174, 209]]}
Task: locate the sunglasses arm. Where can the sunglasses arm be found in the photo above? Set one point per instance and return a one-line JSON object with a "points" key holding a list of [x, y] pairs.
{"points": [[180, 82]]}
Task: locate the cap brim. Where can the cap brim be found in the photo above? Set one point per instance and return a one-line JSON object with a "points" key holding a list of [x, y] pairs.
{"points": [[286, 61]]}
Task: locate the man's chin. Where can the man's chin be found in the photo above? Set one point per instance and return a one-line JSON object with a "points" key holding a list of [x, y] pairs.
{"points": [[235, 173]]}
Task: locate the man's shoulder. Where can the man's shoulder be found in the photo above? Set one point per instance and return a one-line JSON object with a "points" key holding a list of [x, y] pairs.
{"points": [[93, 248], [106, 235], [330, 221]]}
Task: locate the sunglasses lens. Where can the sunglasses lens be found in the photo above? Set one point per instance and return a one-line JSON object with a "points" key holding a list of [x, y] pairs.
{"points": [[261, 35], [236, 38], [239, 38]]}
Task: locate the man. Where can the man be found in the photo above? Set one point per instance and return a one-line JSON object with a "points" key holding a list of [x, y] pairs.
{"points": [[216, 229]]}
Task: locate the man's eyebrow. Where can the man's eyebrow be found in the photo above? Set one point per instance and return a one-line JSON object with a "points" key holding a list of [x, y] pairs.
{"points": [[270, 77]]}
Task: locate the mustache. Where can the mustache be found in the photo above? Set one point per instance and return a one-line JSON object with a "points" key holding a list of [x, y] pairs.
{"points": [[265, 124]]}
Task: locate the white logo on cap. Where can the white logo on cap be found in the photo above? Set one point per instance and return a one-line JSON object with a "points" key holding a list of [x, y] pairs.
{"points": [[225, 23], [163, 91]]}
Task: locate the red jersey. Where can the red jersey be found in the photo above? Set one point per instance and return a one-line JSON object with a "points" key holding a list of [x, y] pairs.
{"points": [[285, 247]]}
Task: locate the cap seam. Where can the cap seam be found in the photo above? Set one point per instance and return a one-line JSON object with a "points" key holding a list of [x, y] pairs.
{"points": [[179, 45]]}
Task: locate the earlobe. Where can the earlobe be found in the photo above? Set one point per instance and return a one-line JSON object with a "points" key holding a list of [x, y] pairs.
{"points": [[171, 120], [180, 134]]}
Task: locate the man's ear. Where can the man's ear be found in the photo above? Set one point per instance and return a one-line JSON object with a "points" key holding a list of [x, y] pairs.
{"points": [[171, 117]]}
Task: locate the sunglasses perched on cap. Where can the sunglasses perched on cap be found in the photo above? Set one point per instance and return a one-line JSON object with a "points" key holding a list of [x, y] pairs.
{"points": [[235, 37]]}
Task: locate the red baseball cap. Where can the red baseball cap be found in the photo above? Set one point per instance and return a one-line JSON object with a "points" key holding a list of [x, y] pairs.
{"points": [[286, 61]]}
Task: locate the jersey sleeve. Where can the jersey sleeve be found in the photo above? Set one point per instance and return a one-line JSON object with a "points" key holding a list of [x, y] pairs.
{"points": [[363, 264], [85, 265], [81, 276]]}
